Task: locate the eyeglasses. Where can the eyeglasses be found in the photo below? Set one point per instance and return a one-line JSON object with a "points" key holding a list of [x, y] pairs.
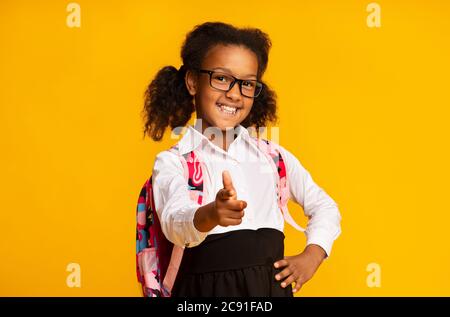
{"points": [[225, 82]]}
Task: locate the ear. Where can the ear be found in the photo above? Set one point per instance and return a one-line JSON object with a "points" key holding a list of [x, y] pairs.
{"points": [[191, 81]]}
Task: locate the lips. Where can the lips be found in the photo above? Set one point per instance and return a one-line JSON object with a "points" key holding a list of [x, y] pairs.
{"points": [[228, 109]]}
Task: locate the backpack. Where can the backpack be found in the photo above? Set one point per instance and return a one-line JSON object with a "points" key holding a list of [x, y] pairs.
{"points": [[158, 259]]}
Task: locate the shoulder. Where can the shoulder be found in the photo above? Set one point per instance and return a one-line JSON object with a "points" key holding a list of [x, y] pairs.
{"points": [[285, 153], [290, 159], [167, 161], [270, 146]]}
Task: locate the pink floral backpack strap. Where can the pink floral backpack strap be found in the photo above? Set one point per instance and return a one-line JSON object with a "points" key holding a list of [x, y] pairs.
{"points": [[193, 168], [194, 173], [273, 153]]}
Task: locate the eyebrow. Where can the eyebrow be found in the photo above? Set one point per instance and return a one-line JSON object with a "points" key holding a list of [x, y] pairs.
{"points": [[228, 70]]}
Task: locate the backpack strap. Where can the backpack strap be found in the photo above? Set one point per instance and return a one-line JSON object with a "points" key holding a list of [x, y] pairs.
{"points": [[193, 168], [276, 161], [157, 259]]}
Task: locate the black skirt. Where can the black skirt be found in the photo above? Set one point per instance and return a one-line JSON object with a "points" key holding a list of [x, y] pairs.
{"points": [[237, 263]]}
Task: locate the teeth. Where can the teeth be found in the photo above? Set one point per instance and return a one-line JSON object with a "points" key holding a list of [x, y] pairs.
{"points": [[227, 109]]}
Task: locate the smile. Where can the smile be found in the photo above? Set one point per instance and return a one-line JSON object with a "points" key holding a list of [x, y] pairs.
{"points": [[228, 110]]}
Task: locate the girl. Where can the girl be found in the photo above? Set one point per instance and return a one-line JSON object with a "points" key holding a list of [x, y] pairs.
{"points": [[234, 241]]}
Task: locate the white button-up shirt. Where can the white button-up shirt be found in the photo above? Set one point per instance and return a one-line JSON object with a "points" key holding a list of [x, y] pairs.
{"points": [[254, 181]]}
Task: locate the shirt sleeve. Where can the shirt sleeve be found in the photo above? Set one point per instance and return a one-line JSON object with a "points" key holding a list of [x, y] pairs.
{"points": [[323, 213], [173, 204]]}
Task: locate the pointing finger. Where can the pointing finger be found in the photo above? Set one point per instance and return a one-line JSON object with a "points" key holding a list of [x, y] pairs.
{"points": [[227, 182]]}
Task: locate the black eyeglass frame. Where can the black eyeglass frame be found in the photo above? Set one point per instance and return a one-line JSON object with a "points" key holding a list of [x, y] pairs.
{"points": [[258, 85]]}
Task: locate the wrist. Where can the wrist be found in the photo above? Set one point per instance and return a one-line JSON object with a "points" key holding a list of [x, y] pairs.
{"points": [[316, 252], [202, 218]]}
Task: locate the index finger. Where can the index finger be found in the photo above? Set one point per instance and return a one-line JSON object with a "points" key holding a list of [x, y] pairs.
{"points": [[227, 182]]}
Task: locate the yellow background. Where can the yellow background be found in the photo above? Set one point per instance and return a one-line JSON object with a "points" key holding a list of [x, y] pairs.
{"points": [[366, 110]]}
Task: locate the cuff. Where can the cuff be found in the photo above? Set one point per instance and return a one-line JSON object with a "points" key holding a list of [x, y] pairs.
{"points": [[322, 238], [192, 236]]}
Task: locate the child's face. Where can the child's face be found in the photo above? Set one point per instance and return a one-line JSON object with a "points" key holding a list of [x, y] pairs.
{"points": [[234, 60]]}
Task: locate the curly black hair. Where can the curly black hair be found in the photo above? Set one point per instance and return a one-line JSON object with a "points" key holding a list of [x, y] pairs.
{"points": [[167, 100]]}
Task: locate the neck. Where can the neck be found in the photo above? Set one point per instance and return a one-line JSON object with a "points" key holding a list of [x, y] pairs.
{"points": [[219, 137]]}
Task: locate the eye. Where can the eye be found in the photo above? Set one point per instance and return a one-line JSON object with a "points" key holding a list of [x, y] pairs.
{"points": [[248, 84], [222, 78]]}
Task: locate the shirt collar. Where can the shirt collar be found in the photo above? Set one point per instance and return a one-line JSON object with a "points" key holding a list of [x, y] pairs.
{"points": [[193, 138]]}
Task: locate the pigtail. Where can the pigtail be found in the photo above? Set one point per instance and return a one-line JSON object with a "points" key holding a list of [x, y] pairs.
{"points": [[167, 102]]}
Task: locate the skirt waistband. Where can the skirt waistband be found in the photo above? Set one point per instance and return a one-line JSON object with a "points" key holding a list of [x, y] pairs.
{"points": [[234, 250]]}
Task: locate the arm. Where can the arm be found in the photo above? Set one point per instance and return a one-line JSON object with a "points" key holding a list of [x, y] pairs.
{"points": [[173, 204], [323, 213], [323, 226], [184, 222]]}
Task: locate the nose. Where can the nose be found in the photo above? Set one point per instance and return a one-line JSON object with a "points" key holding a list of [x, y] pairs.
{"points": [[234, 93]]}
